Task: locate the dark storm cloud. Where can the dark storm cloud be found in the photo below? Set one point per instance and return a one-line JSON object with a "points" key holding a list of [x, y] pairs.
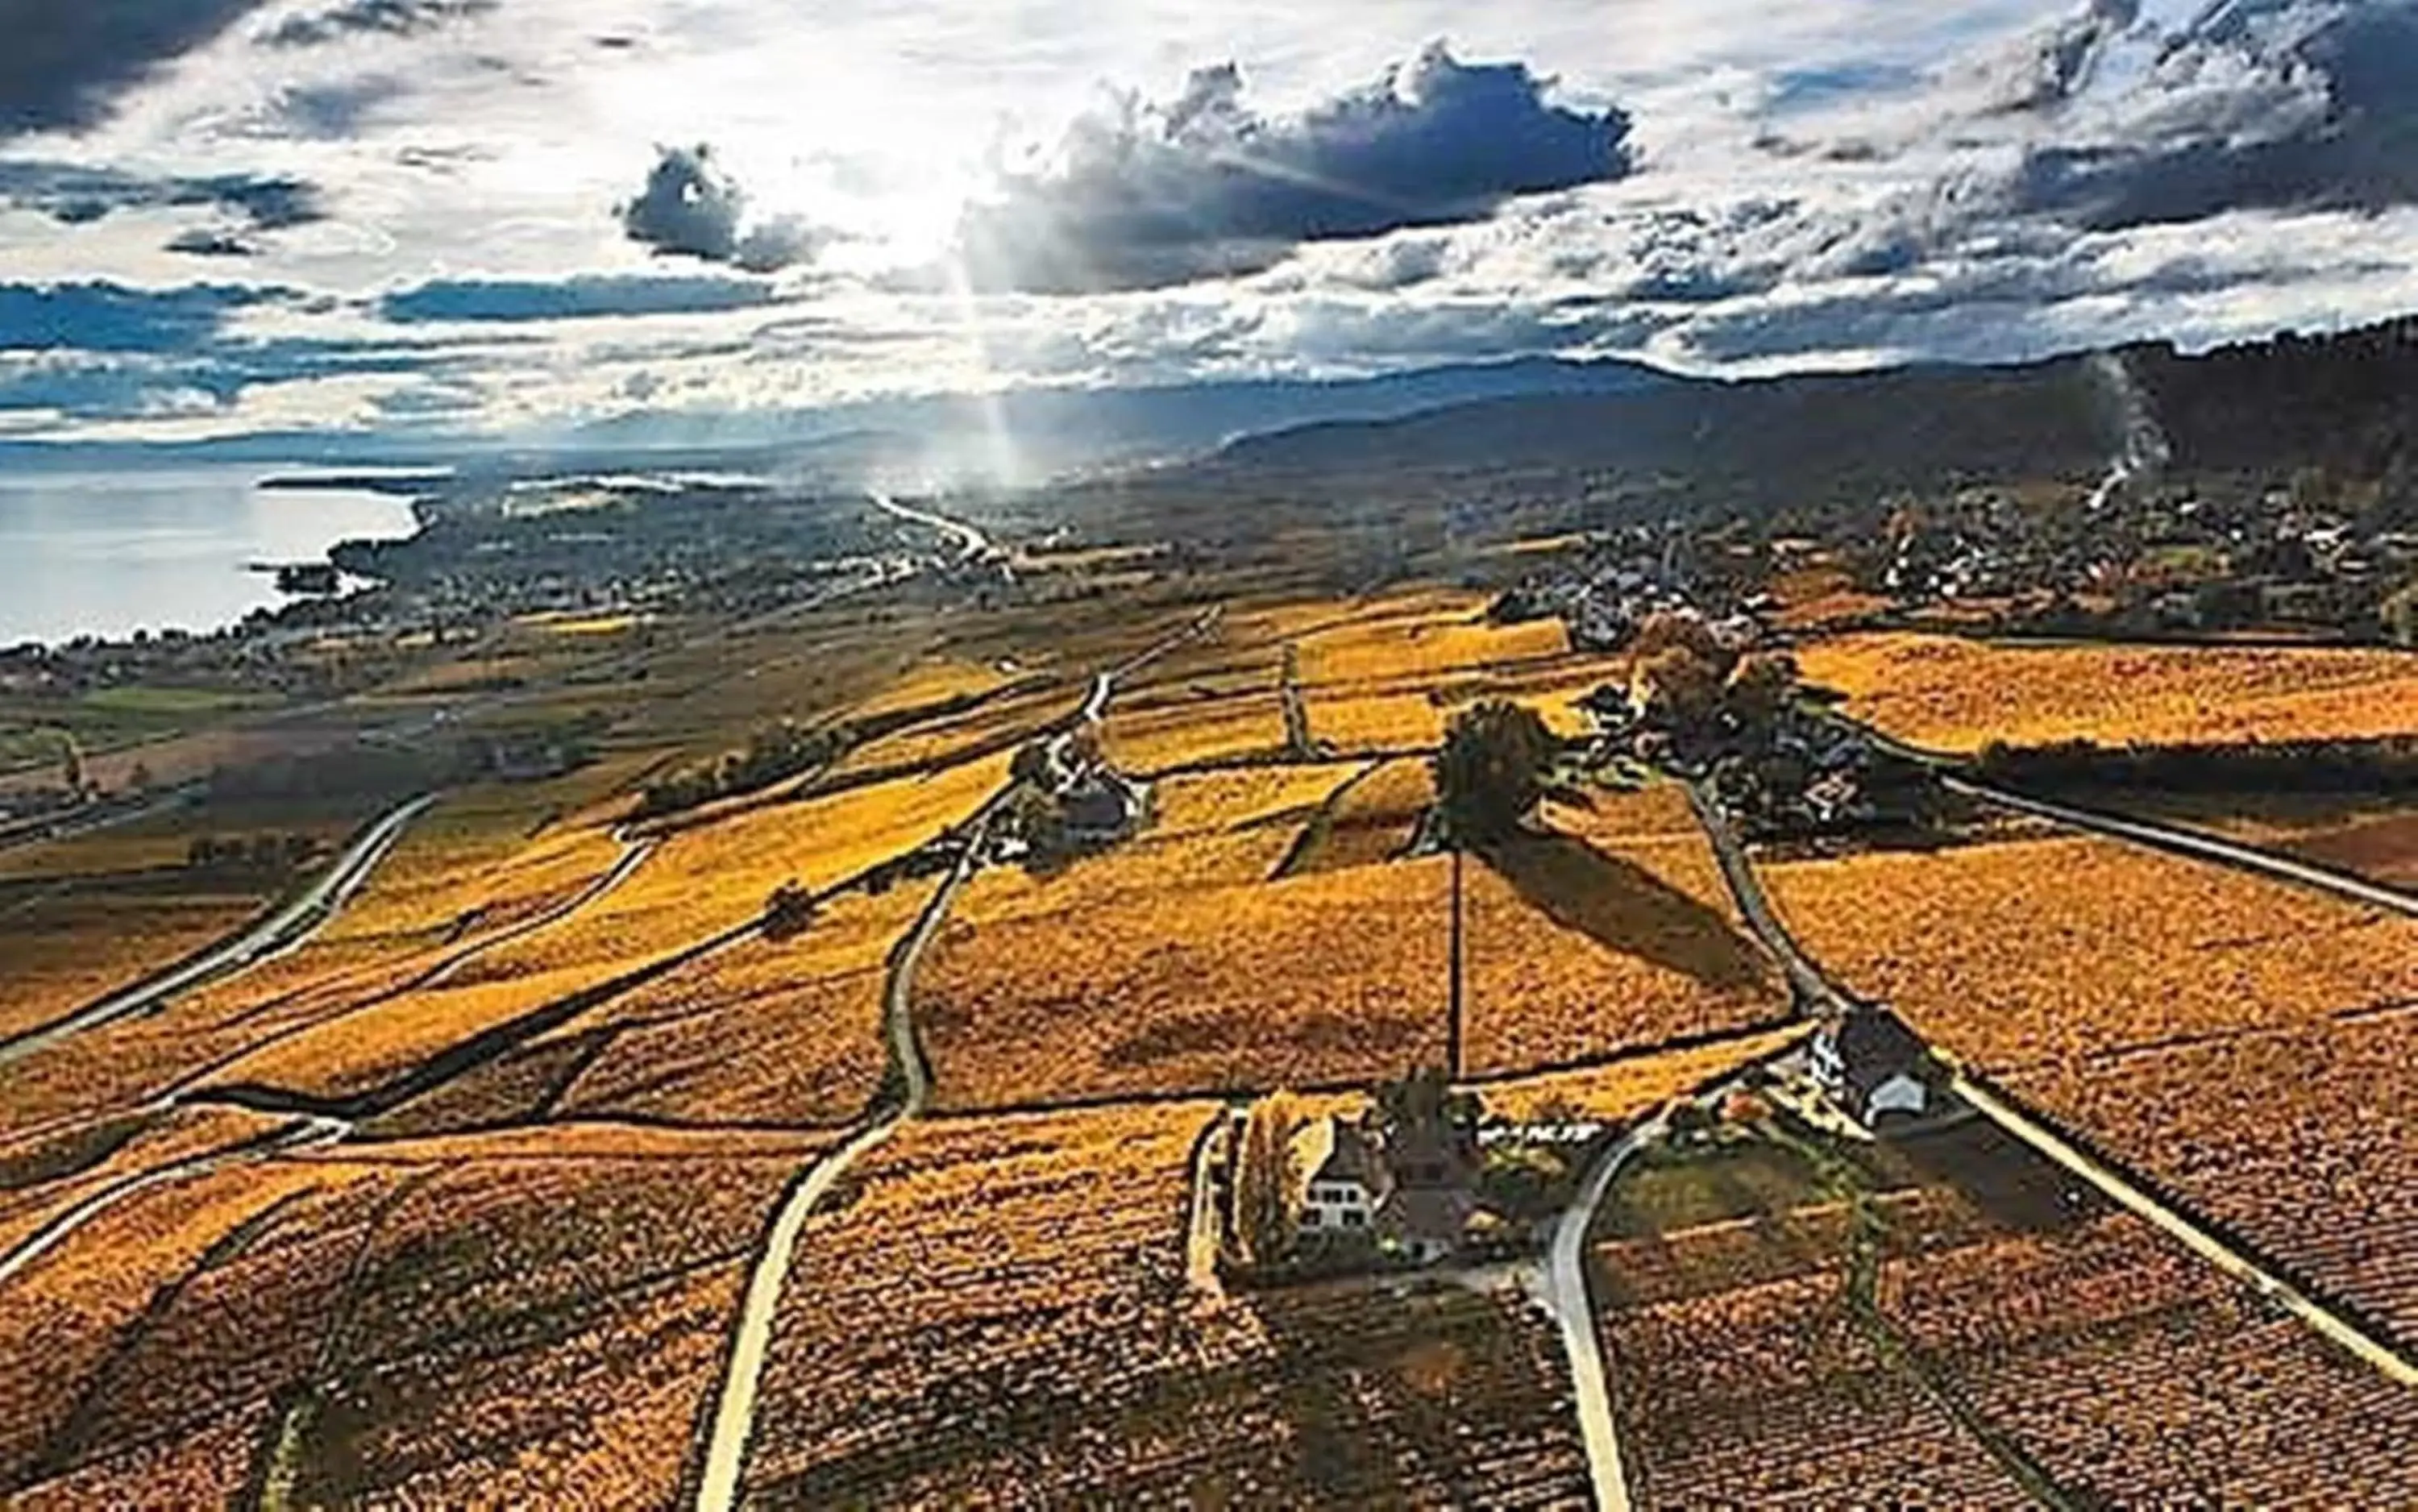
{"points": [[572, 298], [691, 208], [204, 242], [388, 18], [73, 195], [63, 62], [1201, 185], [2261, 106]]}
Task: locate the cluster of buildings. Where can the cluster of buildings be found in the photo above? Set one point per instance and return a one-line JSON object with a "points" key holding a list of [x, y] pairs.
{"points": [[2226, 557], [1409, 1188], [1073, 802], [1603, 602]]}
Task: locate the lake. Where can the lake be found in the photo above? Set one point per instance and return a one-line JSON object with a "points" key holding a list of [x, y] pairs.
{"points": [[107, 554]]}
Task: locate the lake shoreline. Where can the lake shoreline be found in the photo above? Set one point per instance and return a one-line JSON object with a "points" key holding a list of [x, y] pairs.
{"points": [[106, 556]]}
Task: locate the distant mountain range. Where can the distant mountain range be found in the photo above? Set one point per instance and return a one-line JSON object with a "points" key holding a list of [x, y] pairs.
{"points": [[912, 442], [2347, 402]]}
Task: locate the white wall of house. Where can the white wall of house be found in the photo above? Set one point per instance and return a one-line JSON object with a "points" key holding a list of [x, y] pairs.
{"points": [[1327, 1206]]}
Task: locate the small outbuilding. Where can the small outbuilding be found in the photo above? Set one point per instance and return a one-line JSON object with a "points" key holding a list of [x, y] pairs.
{"points": [[1872, 1066]]}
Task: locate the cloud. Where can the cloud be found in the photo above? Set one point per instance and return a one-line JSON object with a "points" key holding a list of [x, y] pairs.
{"points": [[2046, 69], [73, 195], [572, 298], [2101, 123], [1201, 185], [111, 318], [199, 370], [64, 62], [203, 242], [2279, 105], [387, 18], [332, 111], [690, 208]]}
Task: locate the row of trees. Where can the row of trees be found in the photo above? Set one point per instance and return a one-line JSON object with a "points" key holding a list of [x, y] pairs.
{"points": [[773, 753], [2388, 765], [258, 855]]}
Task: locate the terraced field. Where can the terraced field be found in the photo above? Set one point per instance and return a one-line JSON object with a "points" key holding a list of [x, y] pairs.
{"points": [[1046, 1339], [1609, 933], [568, 1089], [1953, 694], [1956, 1323], [2026, 952]]}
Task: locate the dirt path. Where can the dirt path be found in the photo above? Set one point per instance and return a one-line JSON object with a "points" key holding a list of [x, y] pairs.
{"points": [[281, 931], [734, 1415], [633, 855], [1201, 1226]]}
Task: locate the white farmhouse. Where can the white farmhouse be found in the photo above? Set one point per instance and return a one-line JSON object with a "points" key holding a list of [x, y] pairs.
{"points": [[1341, 1178]]}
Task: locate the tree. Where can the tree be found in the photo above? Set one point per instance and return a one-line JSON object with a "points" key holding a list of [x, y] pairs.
{"points": [[1678, 688], [1031, 765], [1761, 687], [1425, 1099], [1262, 1216], [787, 911], [2400, 615], [1491, 771], [1682, 628]]}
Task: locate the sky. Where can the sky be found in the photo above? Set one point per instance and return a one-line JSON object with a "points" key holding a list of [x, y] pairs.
{"points": [[520, 218]]}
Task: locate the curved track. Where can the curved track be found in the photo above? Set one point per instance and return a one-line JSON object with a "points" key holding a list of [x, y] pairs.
{"points": [[284, 929]]}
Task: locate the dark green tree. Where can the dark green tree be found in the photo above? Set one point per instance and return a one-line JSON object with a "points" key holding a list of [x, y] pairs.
{"points": [[1491, 771]]}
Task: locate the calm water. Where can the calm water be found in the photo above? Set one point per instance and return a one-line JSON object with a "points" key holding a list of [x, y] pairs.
{"points": [[107, 554]]}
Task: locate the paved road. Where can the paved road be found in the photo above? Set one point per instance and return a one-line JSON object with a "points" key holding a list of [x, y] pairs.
{"points": [[1815, 992], [972, 542], [2195, 843], [1566, 1292], [289, 926]]}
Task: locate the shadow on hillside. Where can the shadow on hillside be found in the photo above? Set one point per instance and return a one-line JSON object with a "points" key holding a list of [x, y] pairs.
{"points": [[1627, 908]]}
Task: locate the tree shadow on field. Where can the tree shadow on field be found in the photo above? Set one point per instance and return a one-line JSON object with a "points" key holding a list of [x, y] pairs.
{"points": [[1623, 907]]}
